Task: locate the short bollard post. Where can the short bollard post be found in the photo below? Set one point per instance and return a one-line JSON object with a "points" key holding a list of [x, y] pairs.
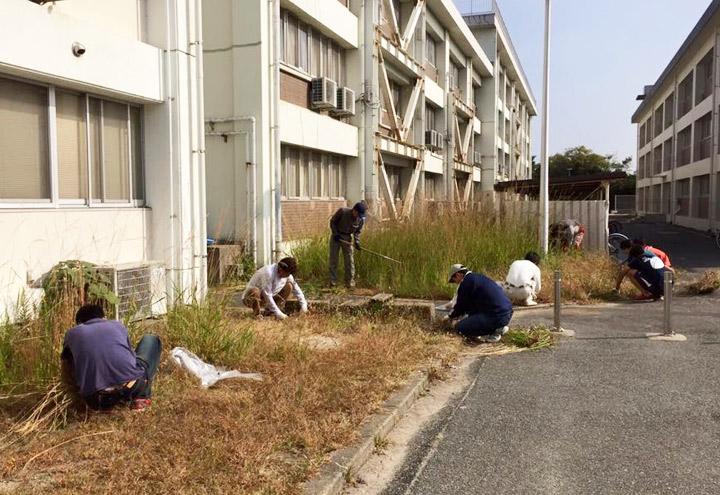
{"points": [[667, 324], [667, 335], [558, 299]]}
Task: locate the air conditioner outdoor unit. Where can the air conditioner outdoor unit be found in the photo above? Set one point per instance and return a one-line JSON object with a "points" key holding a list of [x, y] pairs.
{"points": [[477, 158], [431, 139], [345, 102], [323, 93], [140, 288], [440, 142]]}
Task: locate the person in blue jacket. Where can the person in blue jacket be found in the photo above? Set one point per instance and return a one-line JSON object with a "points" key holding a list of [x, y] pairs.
{"points": [[487, 307]]}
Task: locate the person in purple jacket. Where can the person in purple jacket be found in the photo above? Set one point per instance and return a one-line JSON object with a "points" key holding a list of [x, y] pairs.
{"points": [[98, 359]]}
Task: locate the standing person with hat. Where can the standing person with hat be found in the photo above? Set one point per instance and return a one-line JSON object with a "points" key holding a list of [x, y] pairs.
{"points": [[346, 225], [487, 307]]}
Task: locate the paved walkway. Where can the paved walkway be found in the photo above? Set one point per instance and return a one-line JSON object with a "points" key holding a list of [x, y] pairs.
{"points": [[690, 249], [606, 413]]}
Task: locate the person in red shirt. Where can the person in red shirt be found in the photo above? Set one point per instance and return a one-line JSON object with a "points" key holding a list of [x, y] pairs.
{"points": [[657, 252]]}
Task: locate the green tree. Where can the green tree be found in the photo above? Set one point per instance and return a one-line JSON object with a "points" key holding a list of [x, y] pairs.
{"points": [[584, 161]]}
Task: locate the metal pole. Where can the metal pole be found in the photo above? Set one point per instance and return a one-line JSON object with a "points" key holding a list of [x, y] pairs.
{"points": [[544, 204], [667, 327], [558, 299]]}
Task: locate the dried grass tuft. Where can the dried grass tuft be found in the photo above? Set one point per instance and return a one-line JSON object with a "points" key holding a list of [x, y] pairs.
{"points": [[709, 283]]}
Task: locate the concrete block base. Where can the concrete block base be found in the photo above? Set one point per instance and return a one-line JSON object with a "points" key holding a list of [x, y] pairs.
{"points": [[564, 332], [675, 337]]}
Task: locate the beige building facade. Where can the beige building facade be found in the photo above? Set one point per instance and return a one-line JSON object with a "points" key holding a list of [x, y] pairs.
{"points": [[315, 104], [678, 178]]}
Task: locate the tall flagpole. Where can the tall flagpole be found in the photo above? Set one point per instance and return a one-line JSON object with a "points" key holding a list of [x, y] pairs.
{"points": [[544, 161]]}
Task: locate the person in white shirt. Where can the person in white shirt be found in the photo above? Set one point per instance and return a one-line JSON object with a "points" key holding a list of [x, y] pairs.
{"points": [[270, 287], [523, 280]]}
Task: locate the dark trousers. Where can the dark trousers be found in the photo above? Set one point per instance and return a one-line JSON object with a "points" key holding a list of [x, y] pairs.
{"points": [[481, 324], [148, 353]]}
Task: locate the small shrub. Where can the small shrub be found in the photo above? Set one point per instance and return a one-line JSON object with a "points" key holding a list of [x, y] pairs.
{"points": [[710, 282]]}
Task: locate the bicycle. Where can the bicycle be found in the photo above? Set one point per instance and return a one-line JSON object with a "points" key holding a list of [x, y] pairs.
{"points": [[716, 235], [614, 241]]}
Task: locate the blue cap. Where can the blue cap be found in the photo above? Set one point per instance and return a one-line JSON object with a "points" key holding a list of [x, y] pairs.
{"points": [[360, 208]]}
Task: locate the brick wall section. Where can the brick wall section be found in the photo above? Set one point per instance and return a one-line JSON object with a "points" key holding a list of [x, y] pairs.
{"points": [[307, 218], [294, 90]]}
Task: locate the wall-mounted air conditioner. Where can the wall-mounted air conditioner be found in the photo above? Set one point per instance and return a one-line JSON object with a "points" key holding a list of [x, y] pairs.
{"points": [[345, 102], [323, 93], [440, 142], [477, 158], [431, 139], [140, 288]]}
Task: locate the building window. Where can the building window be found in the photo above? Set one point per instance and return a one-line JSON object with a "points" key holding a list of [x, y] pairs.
{"points": [[669, 110], [656, 202], [97, 152], [657, 160], [703, 131], [682, 193], [641, 165], [24, 143], [717, 199], [649, 130], [659, 121], [310, 174], [455, 77], [641, 199], [666, 199], [394, 175], [704, 78], [429, 118], [701, 196], [643, 135], [307, 50], [667, 155], [685, 95], [430, 193], [684, 146], [430, 50]]}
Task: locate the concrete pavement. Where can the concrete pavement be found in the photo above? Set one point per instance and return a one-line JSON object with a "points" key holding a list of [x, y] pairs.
{"points": [[606, 413]]}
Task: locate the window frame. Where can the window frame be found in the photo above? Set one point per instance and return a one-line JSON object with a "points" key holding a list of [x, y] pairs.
{"points": [[55, 202]]}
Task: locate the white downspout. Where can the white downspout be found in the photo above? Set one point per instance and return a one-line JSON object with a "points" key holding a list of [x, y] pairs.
{"points": [[200, 124], [171, 154], [276, 127]]}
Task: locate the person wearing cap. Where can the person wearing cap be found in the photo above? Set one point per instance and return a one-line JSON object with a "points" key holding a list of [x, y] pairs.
{"points": [[270, 288], [345, 225], [487, 307]]}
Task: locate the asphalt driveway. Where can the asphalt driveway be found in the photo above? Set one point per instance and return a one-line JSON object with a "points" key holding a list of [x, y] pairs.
{"points": [[608, 412]]}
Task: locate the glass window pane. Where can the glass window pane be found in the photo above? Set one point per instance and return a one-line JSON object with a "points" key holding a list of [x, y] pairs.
{"points": [[315, 54], [326, 176], [291, 45], [303, 47], [292, 171], [116, 163], [316, 171], [304, 174], [96, 150], [24, 153], [136, 137], [71, 145]]}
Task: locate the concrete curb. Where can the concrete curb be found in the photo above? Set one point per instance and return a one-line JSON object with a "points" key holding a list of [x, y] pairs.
{"points": [[350, 459]]}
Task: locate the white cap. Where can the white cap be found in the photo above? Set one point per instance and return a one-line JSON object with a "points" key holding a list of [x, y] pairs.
{"points": [[454, 269]]}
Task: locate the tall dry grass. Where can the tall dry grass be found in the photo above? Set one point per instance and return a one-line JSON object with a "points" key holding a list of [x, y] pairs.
{"points": [[428, 246]]}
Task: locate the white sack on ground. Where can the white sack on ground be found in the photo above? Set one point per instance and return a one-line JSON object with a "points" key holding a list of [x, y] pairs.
{"points": [[209, 375]]}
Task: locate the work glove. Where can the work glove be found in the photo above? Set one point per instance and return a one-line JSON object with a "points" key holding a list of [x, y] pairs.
{"points": [[336, 237], [357, 245], [281, 316], [304, 309]]}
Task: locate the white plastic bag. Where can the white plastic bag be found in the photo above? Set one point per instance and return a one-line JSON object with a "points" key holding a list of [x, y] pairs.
{"points": [[209, 375]]}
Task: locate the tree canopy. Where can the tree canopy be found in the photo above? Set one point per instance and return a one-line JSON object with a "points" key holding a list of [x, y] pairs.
{"points": [[584, 161]]}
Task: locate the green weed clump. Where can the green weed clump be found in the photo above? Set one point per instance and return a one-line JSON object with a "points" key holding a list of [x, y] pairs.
{"points": [[533, 338], [428, 246]]}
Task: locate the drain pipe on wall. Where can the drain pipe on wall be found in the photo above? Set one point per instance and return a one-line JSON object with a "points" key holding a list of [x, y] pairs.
{"points": [[200, 93], [276, 127]]}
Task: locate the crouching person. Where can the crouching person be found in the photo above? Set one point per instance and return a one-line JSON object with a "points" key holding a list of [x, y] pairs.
{"points": [[487, 307], [98, 359], [270, 288], [646, 272], [523, 280]]}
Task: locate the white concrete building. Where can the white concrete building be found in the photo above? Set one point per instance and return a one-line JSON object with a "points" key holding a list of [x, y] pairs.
{"points": [[315, 104], [678, 175], [101, 145]]}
